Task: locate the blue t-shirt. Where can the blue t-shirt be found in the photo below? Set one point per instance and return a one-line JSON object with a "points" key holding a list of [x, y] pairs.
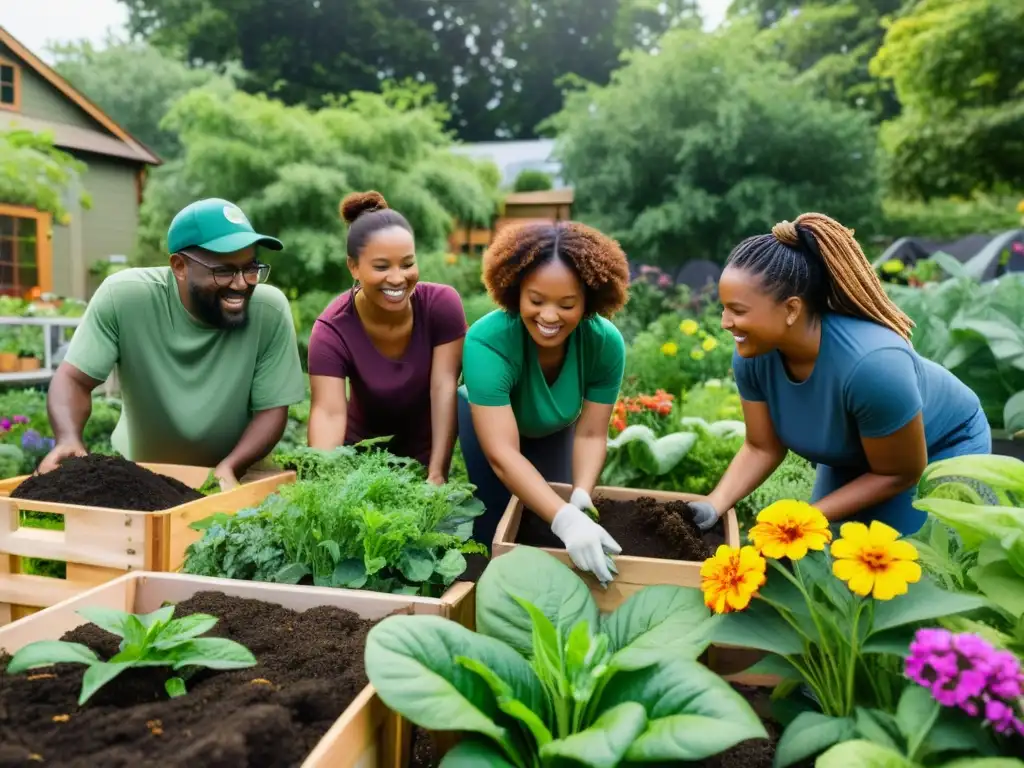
{"points": [[867, 382]]}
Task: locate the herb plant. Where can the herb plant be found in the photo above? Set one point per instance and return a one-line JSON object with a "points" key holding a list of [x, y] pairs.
{"points": [[355, 519], [147, 640], [546, 680]]}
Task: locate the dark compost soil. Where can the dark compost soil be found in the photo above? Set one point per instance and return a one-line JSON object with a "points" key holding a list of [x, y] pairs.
{"points": [[754, 753], [269, 716], [643, 528], [106, 481]]}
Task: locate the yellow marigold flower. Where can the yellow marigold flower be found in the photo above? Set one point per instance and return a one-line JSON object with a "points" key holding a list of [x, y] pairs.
{"points": [[709, 343], [451, 258], [731, 577], [892, 267], [873, 561], [1020, 207], [697, 354], [790, 528], [669, 349], [689, 327]]}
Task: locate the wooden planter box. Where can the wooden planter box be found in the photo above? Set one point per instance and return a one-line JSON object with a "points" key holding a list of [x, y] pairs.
{"points": [[99, 544], [367, 735], [635, 573]]}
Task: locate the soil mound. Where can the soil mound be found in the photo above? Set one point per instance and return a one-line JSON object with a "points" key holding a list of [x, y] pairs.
{"points": [[106, 481]]}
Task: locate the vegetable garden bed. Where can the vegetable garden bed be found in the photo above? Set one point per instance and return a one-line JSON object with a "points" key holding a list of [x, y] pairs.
{"points": [[98, 543], [651, 527], [306, 702]]}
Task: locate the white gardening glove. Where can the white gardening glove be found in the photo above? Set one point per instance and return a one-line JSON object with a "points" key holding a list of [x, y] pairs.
{"points": [[586, 542], [704, 515], [582, 501]]}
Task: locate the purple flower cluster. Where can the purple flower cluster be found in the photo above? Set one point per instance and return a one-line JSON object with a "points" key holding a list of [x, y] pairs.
{"points": [[35, 442], [965, 671], [6, 424]]}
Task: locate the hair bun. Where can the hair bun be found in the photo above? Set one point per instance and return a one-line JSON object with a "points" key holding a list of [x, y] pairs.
{"points": [[358, 203]]}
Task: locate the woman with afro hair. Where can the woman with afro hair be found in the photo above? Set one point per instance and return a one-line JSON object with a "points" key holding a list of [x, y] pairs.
{"points": [[397, 341], [542, 374]]}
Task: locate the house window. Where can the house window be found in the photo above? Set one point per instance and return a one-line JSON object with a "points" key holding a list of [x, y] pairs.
{"points": [[10, 84], [19, 255]]}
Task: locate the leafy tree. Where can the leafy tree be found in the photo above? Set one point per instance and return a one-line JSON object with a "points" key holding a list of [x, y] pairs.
{"points": [[497, 63], [289, 167], [35, 173], [830, 43], [958, 69], [134, 83], [687, 152]]}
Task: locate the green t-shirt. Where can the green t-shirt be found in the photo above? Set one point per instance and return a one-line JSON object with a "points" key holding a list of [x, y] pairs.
{"points": [[500, 367], [189, 390]]}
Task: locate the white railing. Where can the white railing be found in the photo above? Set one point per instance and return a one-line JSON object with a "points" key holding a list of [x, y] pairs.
{"points": [[53, 347]]}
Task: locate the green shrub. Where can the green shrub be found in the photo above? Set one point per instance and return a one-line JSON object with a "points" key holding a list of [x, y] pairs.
{"points": [[948, 219], [459, 271], [532, 180], [794, 479], [477, 306]]}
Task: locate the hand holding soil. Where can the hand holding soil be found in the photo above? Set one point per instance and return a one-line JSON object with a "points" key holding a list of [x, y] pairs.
{"points": [[60, 452]]}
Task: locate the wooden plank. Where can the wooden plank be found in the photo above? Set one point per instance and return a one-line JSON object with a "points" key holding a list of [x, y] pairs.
{"points": [[180, 536], [93, 575], [458, 603]]}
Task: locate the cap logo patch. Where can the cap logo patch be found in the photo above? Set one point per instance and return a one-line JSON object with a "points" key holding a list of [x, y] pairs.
{"points": [[234, 214]]}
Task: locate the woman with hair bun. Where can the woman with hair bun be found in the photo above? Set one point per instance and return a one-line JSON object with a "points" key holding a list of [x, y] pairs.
{"points": [[542, 375], [825, 369], [396, 340]]}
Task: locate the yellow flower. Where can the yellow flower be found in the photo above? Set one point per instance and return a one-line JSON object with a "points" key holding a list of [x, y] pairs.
{"points": [[892, 267], [689, 327], [697, 354], [709, 343], [669, 349], [873, 561], [1020, 207], [790, 528], [731, 578], [451, 258]]}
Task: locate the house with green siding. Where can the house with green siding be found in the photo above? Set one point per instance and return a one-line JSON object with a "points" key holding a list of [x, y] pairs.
{"points": [[38, 254]]}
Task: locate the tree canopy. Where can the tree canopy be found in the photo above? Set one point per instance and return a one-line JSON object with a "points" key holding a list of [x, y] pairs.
{"points": [[289, 167], [35, 173], [958, 69], [497, 64], [688, 151]]}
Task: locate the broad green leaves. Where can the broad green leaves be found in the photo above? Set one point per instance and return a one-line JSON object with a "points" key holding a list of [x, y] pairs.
{"points": [[651, 454], [541, 580], [809, 734], [148, 640], [544, 687]]}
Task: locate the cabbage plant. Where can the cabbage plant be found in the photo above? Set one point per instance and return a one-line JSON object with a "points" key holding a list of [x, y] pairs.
{"points": [[546, 679]]}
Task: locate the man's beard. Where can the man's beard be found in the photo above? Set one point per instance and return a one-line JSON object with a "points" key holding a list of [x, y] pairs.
{"points": [[206, 306]]}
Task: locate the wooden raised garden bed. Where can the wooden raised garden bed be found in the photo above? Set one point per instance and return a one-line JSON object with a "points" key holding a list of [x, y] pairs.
{"points": [[314, 663], [100, 543], [636, 528]]}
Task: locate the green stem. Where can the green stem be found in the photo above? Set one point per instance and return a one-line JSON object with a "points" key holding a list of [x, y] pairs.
{"points": [[851, 667], [829, 663]]}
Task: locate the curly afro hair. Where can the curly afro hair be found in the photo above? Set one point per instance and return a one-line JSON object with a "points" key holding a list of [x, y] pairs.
{"points": [[366, 213], [596, 259]]}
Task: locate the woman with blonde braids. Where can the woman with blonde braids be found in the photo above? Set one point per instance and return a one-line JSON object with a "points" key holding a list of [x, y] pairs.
{"points": [[825, 368]]}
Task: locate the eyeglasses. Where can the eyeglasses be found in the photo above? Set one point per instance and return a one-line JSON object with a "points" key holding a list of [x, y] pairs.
{"points": [[224, 275]]}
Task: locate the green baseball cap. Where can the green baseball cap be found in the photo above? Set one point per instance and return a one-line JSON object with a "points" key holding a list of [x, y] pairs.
{"points": [[215, 225]]}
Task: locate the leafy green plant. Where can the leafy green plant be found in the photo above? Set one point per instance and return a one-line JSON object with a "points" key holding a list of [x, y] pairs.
{"points": [[547, 680], [920, 733], [792, 479], [147, 640], [985, 510], [360, 519]]}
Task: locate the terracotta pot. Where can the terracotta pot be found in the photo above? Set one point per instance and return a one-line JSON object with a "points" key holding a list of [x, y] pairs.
{"points": [[29, 363], [8, 362]]}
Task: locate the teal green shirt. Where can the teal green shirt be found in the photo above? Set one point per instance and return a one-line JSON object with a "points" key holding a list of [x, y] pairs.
{"points": [[189, 390], [500, 367]]}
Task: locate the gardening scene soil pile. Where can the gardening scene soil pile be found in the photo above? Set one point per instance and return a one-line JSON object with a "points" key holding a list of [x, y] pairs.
{"points": [[643, 528], [106, 481], [310, 668]]}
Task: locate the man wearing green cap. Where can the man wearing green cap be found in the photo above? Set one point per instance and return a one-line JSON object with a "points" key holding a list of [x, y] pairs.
{"points": [[205, 352]]}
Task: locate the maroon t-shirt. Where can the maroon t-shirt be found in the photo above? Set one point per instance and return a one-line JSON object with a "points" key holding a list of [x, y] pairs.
{"points": [[387, 397]]}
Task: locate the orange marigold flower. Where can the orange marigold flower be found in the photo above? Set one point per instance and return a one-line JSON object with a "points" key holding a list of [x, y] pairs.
{"points": [[789, 528], [731, 577]]}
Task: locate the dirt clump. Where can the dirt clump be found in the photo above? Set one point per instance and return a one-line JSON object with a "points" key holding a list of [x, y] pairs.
{"points": [[310, 668], [106, 481], [643, 527]]}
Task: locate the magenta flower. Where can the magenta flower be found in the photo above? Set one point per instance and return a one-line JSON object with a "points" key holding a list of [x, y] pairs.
{"points": [[21, 419], [966, 672], [665, 281], [5, 425]]}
